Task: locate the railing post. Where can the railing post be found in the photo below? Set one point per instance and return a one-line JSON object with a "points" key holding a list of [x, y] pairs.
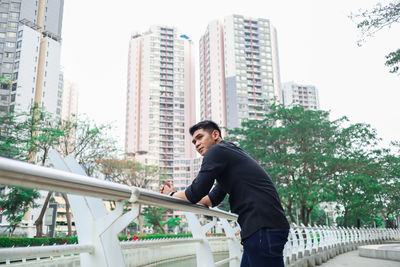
{"points": [[204, 254], [93, 225], [233, 243]]}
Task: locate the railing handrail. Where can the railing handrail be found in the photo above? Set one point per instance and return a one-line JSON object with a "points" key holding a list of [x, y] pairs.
{"points": [[18, 173], [43, 251]]}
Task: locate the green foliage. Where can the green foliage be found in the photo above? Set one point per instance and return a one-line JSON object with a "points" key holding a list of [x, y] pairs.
{"points": [[297, 149], [173, 222], [156, 236], [26, 241], [154, 217], [15, 203], [393, 61], [369, 22], [312, 159], [12, 137], [90, 143], [128, 172], [23, 135]]}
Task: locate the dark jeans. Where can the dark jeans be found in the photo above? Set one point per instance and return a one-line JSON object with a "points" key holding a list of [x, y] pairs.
{"points": [[264, 248]]}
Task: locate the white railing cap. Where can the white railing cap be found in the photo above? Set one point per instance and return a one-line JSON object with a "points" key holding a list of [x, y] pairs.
{"points": [[22, 174]]}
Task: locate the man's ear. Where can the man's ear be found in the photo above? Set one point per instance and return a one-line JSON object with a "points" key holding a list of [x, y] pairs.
{"points": [[215, 135]]}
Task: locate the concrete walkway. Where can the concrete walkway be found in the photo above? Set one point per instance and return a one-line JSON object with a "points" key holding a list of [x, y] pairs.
{"points": [[351, 259]]}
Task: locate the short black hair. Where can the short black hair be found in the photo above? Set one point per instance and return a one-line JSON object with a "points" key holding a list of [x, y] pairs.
{"points": [[206, 125]]}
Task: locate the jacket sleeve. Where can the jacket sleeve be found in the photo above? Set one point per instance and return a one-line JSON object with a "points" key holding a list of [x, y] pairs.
{"points": [[216, 195], [213, 165]]}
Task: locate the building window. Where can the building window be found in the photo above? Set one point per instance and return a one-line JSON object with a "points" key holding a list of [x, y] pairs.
{"points": [[7, 65], [20, 33], [19, 44], [16, 65], [3, 25], [9, 54], [10, 44], [15, 5], [13, 25], [13, 98], [4, 5], [11, 34], [3, 15], [2, 35], [18, 54], [14, 15]]}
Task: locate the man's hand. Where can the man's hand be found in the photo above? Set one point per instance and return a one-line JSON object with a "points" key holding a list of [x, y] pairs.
{"points": [[167, 188]]}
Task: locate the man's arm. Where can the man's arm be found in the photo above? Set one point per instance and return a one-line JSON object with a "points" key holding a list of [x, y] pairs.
{"points": [[205, 200], [167, 188]]}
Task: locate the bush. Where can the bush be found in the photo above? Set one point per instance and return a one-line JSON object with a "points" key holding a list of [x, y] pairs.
{"points": [[46, 241], [26, 241]]}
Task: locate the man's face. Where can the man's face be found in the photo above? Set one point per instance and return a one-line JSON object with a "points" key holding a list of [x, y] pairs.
{"points": [[203, 140]]}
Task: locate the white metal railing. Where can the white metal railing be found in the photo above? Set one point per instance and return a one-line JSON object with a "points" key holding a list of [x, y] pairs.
{"points": [[97, 229], [310, 246]]}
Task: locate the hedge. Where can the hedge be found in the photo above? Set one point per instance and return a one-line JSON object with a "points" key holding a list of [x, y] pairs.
{"points": [[26, 241], [155, 236]]}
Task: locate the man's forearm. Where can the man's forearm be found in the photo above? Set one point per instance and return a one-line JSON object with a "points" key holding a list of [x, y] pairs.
{"points": [[205, 200]]}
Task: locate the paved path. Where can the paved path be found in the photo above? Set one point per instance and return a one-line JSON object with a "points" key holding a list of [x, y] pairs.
{"points": [[351, 259]]}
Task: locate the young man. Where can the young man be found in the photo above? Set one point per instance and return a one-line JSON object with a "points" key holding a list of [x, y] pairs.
{"points": [[252, 195]]}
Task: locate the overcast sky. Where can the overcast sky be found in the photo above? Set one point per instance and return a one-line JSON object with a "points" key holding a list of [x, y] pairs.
{"points": [[317, 45]]}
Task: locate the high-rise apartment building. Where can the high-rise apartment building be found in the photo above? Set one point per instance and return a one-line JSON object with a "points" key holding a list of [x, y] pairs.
{"points": [[19, 54], [300, 94], [239, 69], [21, 44], [69, 110], [161, 100]]}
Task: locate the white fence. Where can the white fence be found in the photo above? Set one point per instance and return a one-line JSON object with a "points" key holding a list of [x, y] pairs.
{"points": [[311, 246], [97, 230]]}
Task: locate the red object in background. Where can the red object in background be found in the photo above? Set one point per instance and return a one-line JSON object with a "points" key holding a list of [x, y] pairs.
{"points": [[135, 238]]}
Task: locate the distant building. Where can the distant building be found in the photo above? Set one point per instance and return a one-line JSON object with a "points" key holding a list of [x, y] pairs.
{"points": [[302, 95], [239, 69], [161, 101], [19, 53], [69, 109], [19, 57]]}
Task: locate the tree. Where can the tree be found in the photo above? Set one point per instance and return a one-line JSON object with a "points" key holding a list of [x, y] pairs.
{"points": [[22, 133], [297, 149], [371, 21], [14, 143], [356, 183], [13, 137], [153, 216], [89, 143], [312, 159], [389, 198], [15, 203], [131, 173]]}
